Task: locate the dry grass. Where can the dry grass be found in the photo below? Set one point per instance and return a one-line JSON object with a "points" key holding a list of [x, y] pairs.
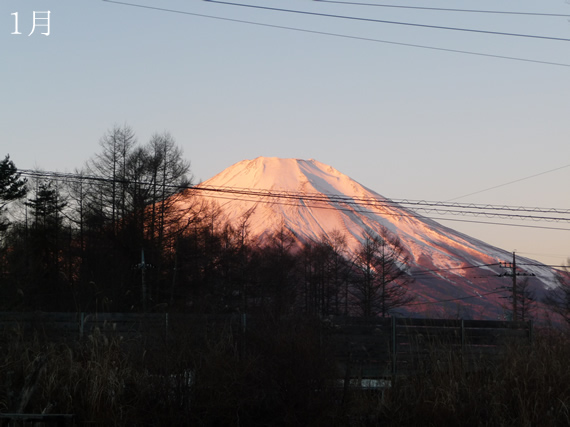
{"points": [[211, 379], [88, 379], [525, 386], [282, 377]]}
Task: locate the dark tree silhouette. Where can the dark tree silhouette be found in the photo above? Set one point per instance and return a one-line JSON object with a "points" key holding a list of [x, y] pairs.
{"points": [[325, 270], [559, 297], [276, 280], [12, 187], [381, 278], [46, 249], [526, 301]]}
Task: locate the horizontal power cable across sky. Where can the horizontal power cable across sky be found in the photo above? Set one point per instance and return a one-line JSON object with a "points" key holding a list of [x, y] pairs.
{"points": [[543, 254], [542, 265], [418, 272], [455, 299], [382, 21], [511, 182], [467, 267], [442, 9], [386, 203], [409, 213], [319, 200], [500, 223], [344, 36], [316, 197]]}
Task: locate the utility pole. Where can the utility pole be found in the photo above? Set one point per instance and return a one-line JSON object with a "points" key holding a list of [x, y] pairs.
{"points": [[514, 292], [515, 314], [143, 266]]}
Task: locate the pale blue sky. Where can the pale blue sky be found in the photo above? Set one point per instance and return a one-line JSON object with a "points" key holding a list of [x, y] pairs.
{"points": [[406, 122]]}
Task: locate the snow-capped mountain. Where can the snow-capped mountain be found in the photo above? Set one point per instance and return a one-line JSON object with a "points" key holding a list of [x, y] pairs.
{"points": [[454, 274]]}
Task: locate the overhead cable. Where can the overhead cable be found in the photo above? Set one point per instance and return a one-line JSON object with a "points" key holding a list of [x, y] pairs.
{"points": [[313, 196], [335, 202], [510, 182], [501, 223], [438, 270], [442, 9], [345, 36], [382, 21], [455, 299], [404, 213]]}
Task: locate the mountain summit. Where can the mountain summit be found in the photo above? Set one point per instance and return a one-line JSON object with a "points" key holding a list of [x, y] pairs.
{"points": [[453, 273]]}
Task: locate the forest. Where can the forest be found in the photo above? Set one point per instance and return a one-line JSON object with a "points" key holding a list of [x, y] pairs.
{"points": [[125, 233]]}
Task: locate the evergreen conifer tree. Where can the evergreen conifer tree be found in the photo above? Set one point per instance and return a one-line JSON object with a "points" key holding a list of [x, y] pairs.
{"points": [[12, 187]]}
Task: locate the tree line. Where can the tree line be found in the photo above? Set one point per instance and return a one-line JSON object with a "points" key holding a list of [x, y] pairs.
{"points": [[125, 233]]}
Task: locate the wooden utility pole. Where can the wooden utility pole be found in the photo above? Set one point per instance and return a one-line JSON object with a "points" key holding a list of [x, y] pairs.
{"points": [[513, 288], [515, 315], [143, 266]]}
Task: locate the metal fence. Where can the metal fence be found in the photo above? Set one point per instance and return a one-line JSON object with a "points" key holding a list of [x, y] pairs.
{"points": [[384, 347], [364, 348]]}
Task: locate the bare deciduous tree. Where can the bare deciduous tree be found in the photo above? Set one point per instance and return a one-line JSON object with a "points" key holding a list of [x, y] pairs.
{"points": [[559, 297], [381, 277]]}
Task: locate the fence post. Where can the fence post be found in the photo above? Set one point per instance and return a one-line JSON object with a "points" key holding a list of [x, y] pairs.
{"points": [[462, 336], [393, 347], [462, 343], [242, 335], [166, 324], [530, 331], [81, 325]]}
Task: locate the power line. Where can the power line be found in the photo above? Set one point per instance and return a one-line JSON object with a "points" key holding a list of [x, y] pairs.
{"points": [[373, 201], [511, 182], [455, 299], [324, 197], [441, 9], [385, 213], [345, 36], [543, 254], [438, 270], [487, 210], [382, 21], [326, 201], [543, 265], [501, 223]]}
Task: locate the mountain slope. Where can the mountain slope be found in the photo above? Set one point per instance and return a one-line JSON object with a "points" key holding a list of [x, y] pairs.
{"points": [[313, 199]]}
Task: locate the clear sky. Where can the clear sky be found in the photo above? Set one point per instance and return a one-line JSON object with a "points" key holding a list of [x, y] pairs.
{"points": [[407, 122]]}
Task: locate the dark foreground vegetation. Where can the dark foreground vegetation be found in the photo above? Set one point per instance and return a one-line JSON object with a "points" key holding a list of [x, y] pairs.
{"points": [[283, 374]]}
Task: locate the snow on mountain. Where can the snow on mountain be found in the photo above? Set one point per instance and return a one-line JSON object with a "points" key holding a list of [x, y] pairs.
{"points": [[316, 199]]}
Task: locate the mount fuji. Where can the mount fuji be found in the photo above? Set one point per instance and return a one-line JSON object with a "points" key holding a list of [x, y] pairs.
{"points": [[454, 274]]}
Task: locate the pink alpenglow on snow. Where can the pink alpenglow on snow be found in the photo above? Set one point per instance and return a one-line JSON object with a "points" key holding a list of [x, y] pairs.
{"points": [[454, 274]]}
